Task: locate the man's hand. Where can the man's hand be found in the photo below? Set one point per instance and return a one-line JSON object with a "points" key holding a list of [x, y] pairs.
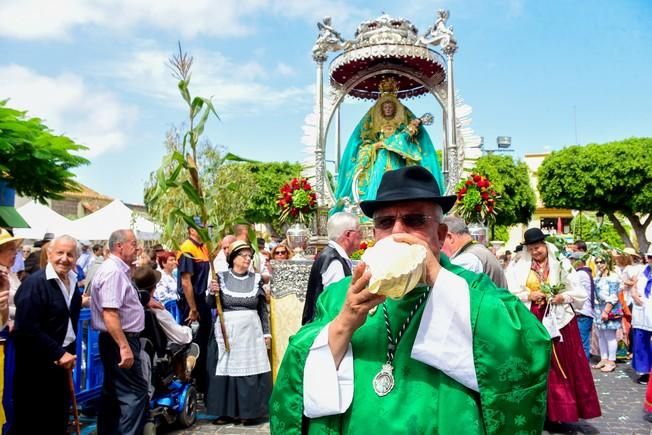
{"points": [[154, 304], [193, 316], [558, 300], [268, 342], [358, 301], [126, 357], [67, 361], [431, 262], [353, 314]]}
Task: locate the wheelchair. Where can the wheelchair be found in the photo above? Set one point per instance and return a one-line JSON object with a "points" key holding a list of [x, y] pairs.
{"points": [[174, 396]]}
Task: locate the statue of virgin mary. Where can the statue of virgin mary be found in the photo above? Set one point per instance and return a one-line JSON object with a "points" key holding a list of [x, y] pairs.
{"points": [[388, 137]]}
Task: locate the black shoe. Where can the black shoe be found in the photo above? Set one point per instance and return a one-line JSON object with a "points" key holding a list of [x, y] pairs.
{"points": [[643, 379]]}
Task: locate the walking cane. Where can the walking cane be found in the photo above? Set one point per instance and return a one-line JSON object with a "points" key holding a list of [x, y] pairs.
{"points": [[71, 387]]}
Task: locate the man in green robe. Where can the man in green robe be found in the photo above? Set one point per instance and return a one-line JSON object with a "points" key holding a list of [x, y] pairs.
{"points": [[470, 360]]}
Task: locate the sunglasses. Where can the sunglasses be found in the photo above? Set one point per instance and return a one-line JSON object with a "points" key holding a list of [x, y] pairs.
{"points": [[413, 221], [281, 253], [599, 262]]}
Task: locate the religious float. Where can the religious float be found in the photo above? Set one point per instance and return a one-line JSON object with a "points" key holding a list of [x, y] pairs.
{"points": [[387, 61]]}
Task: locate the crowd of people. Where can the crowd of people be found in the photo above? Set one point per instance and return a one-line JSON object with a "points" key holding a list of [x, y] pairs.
{"points": [[593, 302], [43, 288]]}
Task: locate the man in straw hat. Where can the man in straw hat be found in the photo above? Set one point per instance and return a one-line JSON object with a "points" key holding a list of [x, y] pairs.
{"points": [[453, 355], [47, 310]]}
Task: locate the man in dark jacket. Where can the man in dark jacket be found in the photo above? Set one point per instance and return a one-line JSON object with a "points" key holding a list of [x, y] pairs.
{"points": [[47, 310], [333, 262]]}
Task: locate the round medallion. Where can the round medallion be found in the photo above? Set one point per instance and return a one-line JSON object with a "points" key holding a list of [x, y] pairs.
{"points": [[384, 381]]}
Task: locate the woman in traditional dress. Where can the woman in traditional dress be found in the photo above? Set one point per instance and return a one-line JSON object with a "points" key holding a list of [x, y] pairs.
{"points": [[240, 381], [571, 391], [608, 311], [642, 321], [388, 137]]}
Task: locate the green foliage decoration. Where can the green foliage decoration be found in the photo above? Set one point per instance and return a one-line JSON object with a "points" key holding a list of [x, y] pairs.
{"points": [[34, 161]]}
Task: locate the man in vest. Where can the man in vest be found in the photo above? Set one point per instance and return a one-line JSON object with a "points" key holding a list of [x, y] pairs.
{"points": [[333, 262], [464, 251]]}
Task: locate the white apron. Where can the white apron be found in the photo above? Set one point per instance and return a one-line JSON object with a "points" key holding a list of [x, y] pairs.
{"points": [[248, 355]]}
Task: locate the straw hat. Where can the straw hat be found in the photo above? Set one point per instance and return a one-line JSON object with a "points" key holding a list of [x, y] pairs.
{"points": [[6, 237], [631, 251]]}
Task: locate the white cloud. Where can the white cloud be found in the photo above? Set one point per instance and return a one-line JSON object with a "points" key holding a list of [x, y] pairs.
{"points": [[285, 70], [93, 118], [232, 85], [56, 19]]}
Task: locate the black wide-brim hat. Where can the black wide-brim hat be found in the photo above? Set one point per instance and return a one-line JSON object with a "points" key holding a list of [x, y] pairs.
{"points": [[412, 183], [533, 235]]}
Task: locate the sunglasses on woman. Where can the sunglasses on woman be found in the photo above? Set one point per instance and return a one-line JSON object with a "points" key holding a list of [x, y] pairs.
{"points": [[415, 221], [599, 262], [281, 253]]}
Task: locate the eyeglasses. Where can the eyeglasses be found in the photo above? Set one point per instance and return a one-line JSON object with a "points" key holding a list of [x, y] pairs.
{"points": [[281, 253], [414, 221], [249, 256], [599, 262]]}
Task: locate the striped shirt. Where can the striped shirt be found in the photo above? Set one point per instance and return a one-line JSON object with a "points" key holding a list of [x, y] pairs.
{"points": [[112, 288]]}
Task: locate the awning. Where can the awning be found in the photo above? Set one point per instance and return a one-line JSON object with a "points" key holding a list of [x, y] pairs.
{"points": [[10, 218]]}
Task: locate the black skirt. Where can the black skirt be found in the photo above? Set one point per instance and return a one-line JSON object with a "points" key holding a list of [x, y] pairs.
{"points": [[241, 397]]}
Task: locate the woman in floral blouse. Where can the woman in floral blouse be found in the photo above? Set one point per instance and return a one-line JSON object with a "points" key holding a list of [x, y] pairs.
{"points": [[608, 311]]}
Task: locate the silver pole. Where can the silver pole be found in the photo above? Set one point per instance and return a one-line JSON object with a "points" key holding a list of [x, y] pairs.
{"points": [[451, 132], [338, 144], [319, 150]]}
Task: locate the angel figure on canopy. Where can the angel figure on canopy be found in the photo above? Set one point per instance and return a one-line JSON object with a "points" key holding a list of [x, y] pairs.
{"points": [[388, 137]]}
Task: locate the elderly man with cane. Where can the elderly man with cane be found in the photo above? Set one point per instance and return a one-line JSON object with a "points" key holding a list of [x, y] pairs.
{"points": [[47, 310]]}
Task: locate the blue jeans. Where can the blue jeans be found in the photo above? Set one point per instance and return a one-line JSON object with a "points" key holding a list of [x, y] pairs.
{"points": [[585, 324]]}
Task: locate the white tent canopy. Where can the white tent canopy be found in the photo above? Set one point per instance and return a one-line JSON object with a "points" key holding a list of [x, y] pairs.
{"points": [[115, 216], [41, 220]]}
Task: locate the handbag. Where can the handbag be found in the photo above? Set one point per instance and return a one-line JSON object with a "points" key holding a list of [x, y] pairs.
{"points": [[549, 322]]}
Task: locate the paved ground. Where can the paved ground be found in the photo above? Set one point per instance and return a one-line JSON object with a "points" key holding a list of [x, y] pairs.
{"points": [[621, 399]]}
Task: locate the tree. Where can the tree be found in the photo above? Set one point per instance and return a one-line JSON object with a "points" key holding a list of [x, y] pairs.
{"points": [[586, 228], [511, 180], [269, 178], [34, 161], [615, 178]]}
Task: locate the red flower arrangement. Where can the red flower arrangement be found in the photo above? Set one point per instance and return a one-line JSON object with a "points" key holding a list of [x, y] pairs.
{"points": [[364, 245], [297, 201], [476, 199]]}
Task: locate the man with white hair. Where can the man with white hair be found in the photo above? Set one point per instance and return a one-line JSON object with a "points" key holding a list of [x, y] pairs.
{"points": [[47, 311], [333, 262]]}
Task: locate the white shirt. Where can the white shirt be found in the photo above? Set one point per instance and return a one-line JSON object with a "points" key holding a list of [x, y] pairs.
{"points": [[335, 271], [67, 296], [220, 264], [468, 261], [585, 282], [175, 333], [444, 341]]}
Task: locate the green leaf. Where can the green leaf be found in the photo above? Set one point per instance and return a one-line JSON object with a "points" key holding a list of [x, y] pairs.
{"points": [[183, 88], [196, 106], [192, 194]]}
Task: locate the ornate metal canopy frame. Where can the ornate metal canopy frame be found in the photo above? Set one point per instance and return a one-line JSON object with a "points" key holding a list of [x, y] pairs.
{"points": [[386, 47]]}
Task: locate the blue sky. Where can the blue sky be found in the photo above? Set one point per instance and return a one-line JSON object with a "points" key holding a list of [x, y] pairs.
{"points": [[95, 71]]}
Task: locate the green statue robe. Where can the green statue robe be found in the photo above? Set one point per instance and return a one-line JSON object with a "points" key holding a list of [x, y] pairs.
{"points": [[511, 353]]}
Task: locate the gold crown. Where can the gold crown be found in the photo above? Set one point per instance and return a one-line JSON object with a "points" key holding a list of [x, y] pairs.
{"points": [[388, 85]]}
